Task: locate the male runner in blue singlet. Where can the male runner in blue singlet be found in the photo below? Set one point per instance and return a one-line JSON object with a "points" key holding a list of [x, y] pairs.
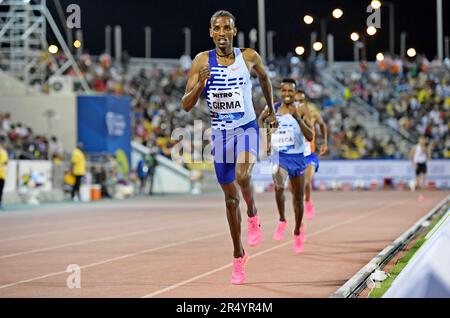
{"points": [[287, 157], [223, 74]]}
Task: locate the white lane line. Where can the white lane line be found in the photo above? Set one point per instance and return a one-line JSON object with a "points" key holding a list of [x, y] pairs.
{"points": [[24, 237], [100, 214], [102, 239], [329, 228], [117, 222], [116, 259]]}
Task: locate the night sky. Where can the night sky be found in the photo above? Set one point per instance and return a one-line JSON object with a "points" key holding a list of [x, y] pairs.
{"points": [[167, 18]]}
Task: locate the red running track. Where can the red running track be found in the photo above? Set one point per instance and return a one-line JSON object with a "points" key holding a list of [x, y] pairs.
{"points": [[180, 246]]}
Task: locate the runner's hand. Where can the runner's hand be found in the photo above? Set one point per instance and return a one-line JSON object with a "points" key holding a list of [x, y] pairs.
{"points": [[323, 149], [272, 119], [292, 109], [204, 75], [265, 113]]}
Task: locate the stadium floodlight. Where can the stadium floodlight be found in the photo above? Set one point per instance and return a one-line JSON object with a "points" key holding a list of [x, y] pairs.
{"points": [[354, 36], [380, 57], [308, 19], [317, 46], [53, 49], [300, 50], [371, 30], [376, 4], [411, 52], [337, 13], [77, 44]]}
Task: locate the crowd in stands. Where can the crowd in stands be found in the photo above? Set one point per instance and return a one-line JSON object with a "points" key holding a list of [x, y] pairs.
{"points": [[22, 143], [350, 140], [410, 97], [413, 97]]}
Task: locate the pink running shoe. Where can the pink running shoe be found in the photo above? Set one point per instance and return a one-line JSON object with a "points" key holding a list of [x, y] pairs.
{"points": [[254, 231], [279, 233], [238, 274], [302, 232], [298, 244], [309, 210]]}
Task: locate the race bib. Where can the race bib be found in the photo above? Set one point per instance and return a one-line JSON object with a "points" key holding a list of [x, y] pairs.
{"points": [[283, 139], [227, 105]]}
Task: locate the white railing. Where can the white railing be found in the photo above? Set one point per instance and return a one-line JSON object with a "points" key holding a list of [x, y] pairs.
{"points": [[427, 275]]}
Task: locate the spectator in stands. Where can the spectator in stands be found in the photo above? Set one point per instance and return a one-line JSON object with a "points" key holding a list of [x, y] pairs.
{"points": [[55, 150], [6, 122], [3, 163], [78, 169]]}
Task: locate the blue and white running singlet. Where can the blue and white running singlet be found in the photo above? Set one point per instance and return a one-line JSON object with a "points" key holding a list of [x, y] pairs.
{"points": [[288, 138], [233, 119], [288, 145], [229, 93]]}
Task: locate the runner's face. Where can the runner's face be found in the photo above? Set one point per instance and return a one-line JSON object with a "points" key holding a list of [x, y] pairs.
{"points": [[288, 93], [300, 99], [222, 32]]}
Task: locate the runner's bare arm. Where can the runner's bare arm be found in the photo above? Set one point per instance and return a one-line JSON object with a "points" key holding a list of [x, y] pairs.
{"points": [[255, 60], [304, 111], [198, 77], [262, 124], [263, 116], [324, 131], [305, 128], [305, 114]]}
